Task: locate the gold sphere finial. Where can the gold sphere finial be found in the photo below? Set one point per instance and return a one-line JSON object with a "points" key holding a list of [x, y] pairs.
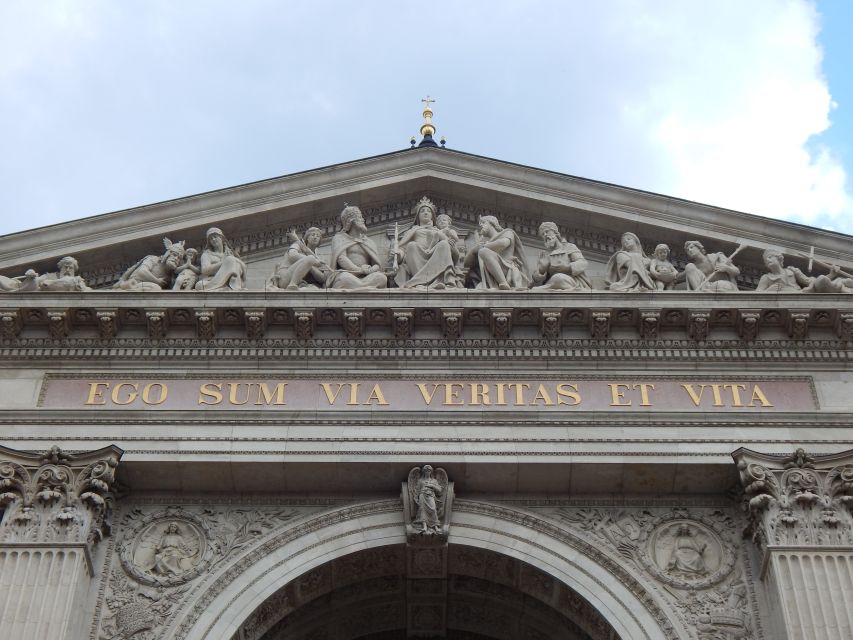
{"points": [[427, 128]]}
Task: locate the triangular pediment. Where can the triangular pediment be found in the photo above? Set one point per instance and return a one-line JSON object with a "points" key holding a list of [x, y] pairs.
{"points": [[257, 217]]}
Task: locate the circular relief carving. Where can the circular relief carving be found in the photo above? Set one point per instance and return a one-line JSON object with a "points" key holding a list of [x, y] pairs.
{"points": [[687, 554], [167, 549]]}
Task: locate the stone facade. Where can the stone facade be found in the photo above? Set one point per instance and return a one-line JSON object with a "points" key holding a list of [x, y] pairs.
{"points": [[286, 424]]}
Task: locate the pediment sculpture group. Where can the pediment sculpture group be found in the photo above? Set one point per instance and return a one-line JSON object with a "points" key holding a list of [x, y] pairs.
{"points": [[429, 254]]}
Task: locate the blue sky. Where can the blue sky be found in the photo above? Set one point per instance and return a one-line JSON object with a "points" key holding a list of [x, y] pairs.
{"points": [[107, 105]]}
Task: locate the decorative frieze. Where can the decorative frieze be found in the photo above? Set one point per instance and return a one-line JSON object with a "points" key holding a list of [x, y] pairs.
{"points": [[205, 324]]}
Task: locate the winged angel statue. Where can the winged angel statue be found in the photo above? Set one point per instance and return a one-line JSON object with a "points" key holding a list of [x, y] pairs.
{"points": [[428, 495]]}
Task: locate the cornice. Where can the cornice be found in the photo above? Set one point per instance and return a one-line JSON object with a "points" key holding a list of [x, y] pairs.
{"points": [[260, 316]]}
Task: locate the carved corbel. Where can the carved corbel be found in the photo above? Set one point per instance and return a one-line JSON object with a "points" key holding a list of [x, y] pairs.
{"points": [[844, 326], [748, 322], [158, 324], [599, 324], [501, 323], [107, 323], [303, 323], [58, 324], [451, 323], [649, 325], [256, 323], [354, 323], [552, 323], [403, 320], [10, 324], [798, 324], [205, 324], [698, 325], [57, 497]]}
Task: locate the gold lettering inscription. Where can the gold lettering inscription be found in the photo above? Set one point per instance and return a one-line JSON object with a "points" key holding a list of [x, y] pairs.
{"points": [[327, 389], [333, 397], [95, 393], [265, 394], [233, 388], [543, 395], [163, 392], [736, 389], [569, 391], [695, 397], [480, 394], [758, 394], [131, 395], [520, 388], [427, 396], [376, 395], [210, 393], [644, 393], [451, 394], [501, 401], [616, 395]]}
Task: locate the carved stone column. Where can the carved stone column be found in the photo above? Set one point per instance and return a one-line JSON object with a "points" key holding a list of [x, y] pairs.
{"points": [[800, 516], [55, 509]]}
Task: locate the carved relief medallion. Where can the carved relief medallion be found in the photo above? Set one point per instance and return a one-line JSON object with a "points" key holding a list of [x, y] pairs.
{"points": [[687, 554], [167, 550]]}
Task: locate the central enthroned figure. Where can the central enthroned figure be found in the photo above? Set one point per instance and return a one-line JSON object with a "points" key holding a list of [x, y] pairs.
{"points": [[354, 256], [426, 254]]}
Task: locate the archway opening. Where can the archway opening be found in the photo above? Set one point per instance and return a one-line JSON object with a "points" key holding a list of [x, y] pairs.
{"points": [[369, 595]]}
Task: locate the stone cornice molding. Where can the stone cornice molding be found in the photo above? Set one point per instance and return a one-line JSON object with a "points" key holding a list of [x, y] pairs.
{"points": [[163, 314], [798, 500]]}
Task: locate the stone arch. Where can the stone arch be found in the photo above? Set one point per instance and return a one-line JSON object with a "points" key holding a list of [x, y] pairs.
{"points": [[258, 575]]}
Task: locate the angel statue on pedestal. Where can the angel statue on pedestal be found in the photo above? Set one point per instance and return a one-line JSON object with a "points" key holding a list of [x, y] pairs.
{"points": [[427, 496]]}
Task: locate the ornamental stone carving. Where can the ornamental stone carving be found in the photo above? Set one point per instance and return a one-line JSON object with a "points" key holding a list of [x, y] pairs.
{"points": [[782, 279], [301, 268], [497, 261], [551, 323], [599, 325], [221, 268], [355, 259], [628, 268], [256, 323], [798, 500], [427, 501], [57, 497], [709, 271], [426, 254], [687, 554], [402, 322], [167, 549], [561, 267], [153, 273]]}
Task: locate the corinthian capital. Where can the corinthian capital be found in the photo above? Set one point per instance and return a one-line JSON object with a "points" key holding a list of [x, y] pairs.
{"points": [[798, 500], [56, 497]]}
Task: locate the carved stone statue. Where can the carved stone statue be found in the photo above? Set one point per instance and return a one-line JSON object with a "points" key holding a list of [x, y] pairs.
{"points": [[662, 271], [301, 268], [153, 273], [355, 260], [498, 260], [561, 266], [427, 254], [186, 275], [687, 553], [782, 279], [427, 499], [709, 271], [172, 552], [66, 279], [26, 282], [628, 268], [221, 267]]}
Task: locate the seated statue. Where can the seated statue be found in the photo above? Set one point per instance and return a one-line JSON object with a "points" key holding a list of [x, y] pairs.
{"points": [[662, 271], [355, 260], [186, 275], [301, 268], [561, 266], [498, 260], [628, 268], [782, 279], [427, 257], [708, 271], [66, 280], [221, 267], [153, 273]]}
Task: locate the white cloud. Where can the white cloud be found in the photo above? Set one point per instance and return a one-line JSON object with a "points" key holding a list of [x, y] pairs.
{"points": [[735, 106]]}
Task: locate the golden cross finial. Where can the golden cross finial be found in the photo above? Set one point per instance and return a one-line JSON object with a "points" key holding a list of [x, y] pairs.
{"points": [[427, 101]]}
